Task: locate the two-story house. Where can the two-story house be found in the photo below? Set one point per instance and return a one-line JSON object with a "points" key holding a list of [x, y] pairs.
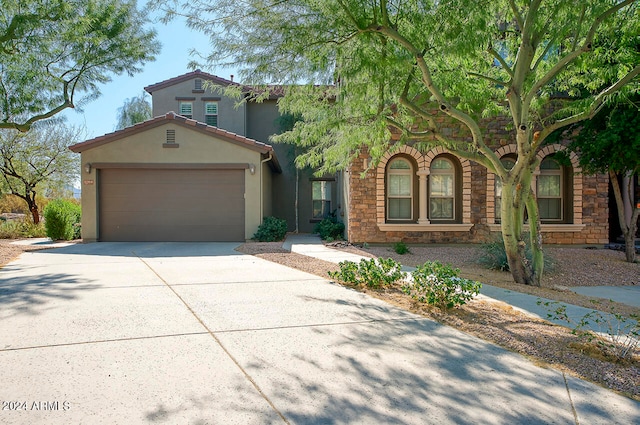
{"points": [[203, 170]]}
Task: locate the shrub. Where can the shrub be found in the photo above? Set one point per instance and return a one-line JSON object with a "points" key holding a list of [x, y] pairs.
{"points": [[329, 228], [62, 219], [401, 248], [272, 229], [493, 255], [18, 229], [622, 333], [373, 273], [439, 285]]}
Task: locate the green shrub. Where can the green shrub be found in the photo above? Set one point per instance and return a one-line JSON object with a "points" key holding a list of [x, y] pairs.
{"points": [[18, 229], [62, 219], [373, 273], [401, 248], [493, 255], [439, 285], [272, 229], [329, 228]]}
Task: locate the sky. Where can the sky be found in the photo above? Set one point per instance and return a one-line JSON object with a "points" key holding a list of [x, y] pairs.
{"points": [[100, 115]]}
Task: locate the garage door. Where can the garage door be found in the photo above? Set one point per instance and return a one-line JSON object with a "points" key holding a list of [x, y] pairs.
{"points": [[171, 205]]}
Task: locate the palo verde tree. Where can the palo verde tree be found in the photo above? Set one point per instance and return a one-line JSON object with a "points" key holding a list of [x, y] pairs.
{"points": [[52, 51], [31, 161], [134, 110], [398, 65], [610, 143]]}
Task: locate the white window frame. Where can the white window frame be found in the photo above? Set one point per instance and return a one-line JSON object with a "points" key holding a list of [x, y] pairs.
{"points": [[186, 109], [208, 114], [400, 172], [546, 173], [434, 172]]}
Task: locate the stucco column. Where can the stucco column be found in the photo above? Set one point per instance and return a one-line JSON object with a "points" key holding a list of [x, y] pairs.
{"points": [[422, 187]]}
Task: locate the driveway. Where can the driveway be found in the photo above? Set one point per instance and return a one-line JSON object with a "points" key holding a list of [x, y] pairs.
{"points": [[186, 333]]}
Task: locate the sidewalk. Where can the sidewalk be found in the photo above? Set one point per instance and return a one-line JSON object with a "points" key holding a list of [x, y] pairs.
{"points": [[312, 246]]}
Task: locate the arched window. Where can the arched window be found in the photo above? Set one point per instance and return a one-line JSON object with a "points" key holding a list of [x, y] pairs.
{"points": [[508, 163], [400, 190], [550, 191], [442, 190]]}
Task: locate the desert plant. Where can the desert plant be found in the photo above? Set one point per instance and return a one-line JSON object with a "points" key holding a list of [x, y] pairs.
{"points": [[62, 218], [438, 284], [18, 229], [401, 248], [329, 228], [622, 332], [493, 255], [272, 229], [373, 273]]}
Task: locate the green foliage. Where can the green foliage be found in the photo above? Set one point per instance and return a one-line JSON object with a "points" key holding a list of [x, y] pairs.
{"points": [[18, 229], [62, 219], [373, 273], [272, 229], [623, 332], [135, 110], [494, 256], [37, 161], [329, 228], [401, 248], [53, 51], [439, 285]]}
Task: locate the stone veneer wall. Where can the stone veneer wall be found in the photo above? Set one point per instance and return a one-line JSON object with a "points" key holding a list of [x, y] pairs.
{"points": [[366, 208]]}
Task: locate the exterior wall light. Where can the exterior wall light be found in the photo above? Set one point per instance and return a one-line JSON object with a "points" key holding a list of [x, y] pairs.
{"points": [[252, 168], [87, 167]]}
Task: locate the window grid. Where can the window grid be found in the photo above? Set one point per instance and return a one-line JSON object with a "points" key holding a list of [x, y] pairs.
{"points": [[400, 190]]}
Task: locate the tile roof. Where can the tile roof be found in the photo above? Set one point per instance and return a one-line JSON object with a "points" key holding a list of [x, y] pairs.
{"points": [[172, 117]]}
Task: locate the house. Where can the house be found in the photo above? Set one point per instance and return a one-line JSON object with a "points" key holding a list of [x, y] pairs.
{"points": [[203, 169]]}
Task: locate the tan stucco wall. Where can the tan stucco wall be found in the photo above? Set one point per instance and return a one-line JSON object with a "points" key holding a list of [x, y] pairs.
{"points": [[195, 148], [231, 116]]}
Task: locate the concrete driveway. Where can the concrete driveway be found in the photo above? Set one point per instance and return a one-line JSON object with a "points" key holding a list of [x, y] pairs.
{"points": [[171, 333]]}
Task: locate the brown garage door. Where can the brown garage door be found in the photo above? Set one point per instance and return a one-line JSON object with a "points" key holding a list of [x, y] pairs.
{"points": [[171, 205]]}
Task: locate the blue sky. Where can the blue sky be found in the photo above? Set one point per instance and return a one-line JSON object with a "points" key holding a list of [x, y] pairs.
{"points": [[99, 116]]}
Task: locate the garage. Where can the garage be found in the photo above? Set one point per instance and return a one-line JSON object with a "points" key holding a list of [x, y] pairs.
{"points": [[171, 205], [172, 179]]}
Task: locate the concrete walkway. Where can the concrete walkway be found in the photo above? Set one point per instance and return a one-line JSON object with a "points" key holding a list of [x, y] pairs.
{"points": [[312, 246], [186, 333]]}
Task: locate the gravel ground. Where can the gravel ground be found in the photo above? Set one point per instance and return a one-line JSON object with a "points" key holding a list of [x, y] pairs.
{"points": [[546, 344]]}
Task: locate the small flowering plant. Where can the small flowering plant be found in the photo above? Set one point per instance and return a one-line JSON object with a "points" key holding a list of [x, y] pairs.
{"points": [[438, 284]]}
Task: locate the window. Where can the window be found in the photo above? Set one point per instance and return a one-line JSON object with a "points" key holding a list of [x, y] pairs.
{"points": [[508, 163], [197, 84], [400, 190], [186, 109], [211, 113], [442, 186], [321, 198], [549, 190]]}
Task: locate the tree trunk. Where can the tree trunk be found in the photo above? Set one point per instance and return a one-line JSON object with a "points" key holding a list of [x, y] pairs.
{"points": [[512, 220], [628, 230]]}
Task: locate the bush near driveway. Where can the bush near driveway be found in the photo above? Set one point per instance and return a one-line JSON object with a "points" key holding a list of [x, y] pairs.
{"points": [[62, 220]]}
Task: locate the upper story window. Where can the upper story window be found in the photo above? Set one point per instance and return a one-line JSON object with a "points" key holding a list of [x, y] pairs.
{"points": [[197, 84], [400, 190], [550, 190], [186, 109], [211, 113], [442, 189]]}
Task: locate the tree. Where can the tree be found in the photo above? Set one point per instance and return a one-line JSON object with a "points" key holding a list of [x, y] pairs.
{"points": [[136, 109], [51, 51], [610, 143], [30, 161], [399, 66]]}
